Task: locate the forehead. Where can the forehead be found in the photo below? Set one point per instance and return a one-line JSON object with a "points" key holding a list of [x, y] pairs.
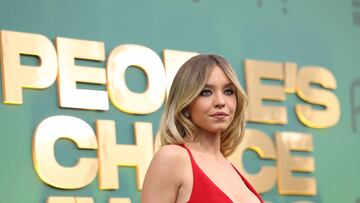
{"points": [[217, 76]]}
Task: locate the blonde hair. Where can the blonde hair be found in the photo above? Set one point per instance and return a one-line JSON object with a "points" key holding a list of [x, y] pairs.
{"points": [[187, 85]]}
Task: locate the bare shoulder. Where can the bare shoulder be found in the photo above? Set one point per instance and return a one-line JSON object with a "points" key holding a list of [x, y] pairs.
{"points": [[165, 175], [171, 153], [172, 156]]}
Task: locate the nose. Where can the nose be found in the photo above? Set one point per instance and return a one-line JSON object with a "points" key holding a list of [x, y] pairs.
{"points": [[219, 100]]}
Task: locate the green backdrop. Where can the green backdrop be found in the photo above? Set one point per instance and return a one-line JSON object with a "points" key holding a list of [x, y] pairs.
{"points": [[322, 33]]}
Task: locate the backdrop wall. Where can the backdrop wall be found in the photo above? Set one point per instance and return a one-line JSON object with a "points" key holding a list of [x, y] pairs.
{"points": [[306, 33]]}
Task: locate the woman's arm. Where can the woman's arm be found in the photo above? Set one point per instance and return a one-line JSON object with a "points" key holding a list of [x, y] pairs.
{"points": [[164, 176]]}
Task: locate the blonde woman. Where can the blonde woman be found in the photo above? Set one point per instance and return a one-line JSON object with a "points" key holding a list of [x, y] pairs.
{"points": [[202, 124]]}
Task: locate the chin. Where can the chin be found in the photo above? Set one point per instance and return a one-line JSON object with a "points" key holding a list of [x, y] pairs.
{"points": [[219, 129]]}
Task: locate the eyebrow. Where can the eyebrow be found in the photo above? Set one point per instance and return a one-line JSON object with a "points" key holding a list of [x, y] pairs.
{"points": [[226, 85]]}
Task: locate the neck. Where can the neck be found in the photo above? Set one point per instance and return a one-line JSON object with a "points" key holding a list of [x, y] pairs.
{"points": [[208, 143]]}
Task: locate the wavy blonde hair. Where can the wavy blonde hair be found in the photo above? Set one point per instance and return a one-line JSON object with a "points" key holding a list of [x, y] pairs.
{"points": [[187, 85]]}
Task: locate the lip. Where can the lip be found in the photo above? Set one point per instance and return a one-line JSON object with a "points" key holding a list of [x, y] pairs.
{"points": [[219, 115]]}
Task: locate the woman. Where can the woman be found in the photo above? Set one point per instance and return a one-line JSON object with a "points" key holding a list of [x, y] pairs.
{"points": [[202, 124]]}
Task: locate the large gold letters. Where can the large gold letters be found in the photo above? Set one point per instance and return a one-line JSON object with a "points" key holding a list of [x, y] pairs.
{"points": [[299, 81], [313, 117], [120, 59], [48, 169], [173, 60], [263, 145], [55, 199], [289, 184], [16, 76], [112, 155], [69, 74], [257, 92], [321, 111]]}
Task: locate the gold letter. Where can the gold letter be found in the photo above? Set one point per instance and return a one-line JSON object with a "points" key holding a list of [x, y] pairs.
{"points": [[257, 112], [119, 200], [312, 117], [262, 144], [47, 168], [112, 155], [69, 74], [288, 184], [16, 76], [84, 200], [173, 60], [55, 199], [124, 99], [290, 77]]}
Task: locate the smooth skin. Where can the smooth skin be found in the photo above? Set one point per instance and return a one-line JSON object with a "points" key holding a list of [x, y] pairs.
{"points": [[169, 178]]}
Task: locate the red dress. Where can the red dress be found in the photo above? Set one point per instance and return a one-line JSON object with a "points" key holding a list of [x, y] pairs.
{"points": [[205, 191]]}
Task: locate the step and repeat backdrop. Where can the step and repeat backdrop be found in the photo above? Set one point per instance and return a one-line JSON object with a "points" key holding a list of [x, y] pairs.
{"points": [[83, 85]]}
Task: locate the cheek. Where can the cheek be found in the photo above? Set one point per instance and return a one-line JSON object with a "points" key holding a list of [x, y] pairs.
{"points": [[233, 104], [232, 108], [195, 108], [199, 105]]}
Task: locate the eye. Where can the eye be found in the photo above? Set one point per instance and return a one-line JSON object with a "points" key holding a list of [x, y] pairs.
{"points": [[229, 92], [205, 93]]}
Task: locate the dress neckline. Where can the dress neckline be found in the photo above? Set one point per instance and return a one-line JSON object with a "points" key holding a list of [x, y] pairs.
{"points": [[216, 186]]}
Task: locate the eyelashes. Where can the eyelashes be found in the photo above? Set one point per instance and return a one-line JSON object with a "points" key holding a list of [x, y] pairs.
{"points": [[208, 92], [229, 92]]}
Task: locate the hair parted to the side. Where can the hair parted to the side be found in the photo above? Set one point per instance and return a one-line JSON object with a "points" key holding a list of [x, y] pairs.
{"points": [[187, 85]]}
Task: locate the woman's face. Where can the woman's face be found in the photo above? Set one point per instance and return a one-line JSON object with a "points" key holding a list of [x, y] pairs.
{"points": [[213, 110]]}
